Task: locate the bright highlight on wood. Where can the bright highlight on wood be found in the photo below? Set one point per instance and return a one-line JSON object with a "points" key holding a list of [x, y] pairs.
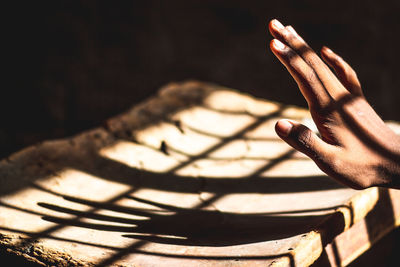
{"points": [[195, 176]]}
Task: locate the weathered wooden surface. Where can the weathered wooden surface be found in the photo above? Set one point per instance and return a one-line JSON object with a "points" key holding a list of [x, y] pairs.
{"points": [[193, 177]]}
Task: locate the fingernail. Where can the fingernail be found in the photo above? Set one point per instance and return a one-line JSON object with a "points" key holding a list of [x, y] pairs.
{"points": [[328, 50], [278, 44], [277, 24], [283, 127]]}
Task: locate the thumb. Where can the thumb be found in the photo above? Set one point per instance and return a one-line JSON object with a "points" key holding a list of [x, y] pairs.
{"points": [[303, 139]]}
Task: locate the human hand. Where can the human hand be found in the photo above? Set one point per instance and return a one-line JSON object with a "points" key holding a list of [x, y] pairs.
{"points": [[356, 147]]}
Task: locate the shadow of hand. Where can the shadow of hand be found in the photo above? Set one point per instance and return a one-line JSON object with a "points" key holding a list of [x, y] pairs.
{"points": [[186, 226]]}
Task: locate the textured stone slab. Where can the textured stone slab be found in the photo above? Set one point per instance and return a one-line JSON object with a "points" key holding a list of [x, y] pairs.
{"points": [[192, 177]]}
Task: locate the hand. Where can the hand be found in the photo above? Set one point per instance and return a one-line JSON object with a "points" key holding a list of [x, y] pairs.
{"points": [[356, 147]]}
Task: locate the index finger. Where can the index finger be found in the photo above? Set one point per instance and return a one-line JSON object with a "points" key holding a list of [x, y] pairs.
{"points": [[289, 36], [305, 77]]}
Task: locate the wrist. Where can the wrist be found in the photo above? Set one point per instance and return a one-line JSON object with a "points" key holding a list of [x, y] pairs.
{"points": [[389, 173], [390, 167]]}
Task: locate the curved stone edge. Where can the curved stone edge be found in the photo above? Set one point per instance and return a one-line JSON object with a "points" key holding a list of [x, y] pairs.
{"points": [[174, 98], [170, 99]]}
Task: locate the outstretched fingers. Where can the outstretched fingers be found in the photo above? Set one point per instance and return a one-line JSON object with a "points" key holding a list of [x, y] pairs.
{"points": [[344, 71], [289, 36], [306, 78]]}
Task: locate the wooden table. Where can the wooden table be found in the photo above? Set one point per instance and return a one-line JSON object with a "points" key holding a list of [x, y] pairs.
{"points": [[192, 177]]}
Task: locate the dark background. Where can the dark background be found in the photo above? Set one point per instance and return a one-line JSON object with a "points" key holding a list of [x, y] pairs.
{"points": [[69, 65]]}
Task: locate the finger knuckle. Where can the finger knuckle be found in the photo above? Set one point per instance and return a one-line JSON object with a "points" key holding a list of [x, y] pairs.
{"points": [[289, 37], [286, 34], [290, 29], [291, 58], [311, 77], [311, 58]]}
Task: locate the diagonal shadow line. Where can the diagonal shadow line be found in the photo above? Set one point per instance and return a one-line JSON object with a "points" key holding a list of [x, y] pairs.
{"points": [[100, 205], [335, 251], [362, 134], [168, 148], [52, 207], [21, 209], [128, 250], [206, 221], [191, 238], [89, 215], [279, 106], [273, 163], [382, 209], [138, 251], [48, 236], [95, 226], [149, 212], [112, 170], [231, 112], [136, 244], [122, 253], [174, 208], [194, 159], [134, 249], [226, 140], [202, 204], [107, 228], [125, 250], [123, 220], [240, 133], [179, 125], [58, 227]]}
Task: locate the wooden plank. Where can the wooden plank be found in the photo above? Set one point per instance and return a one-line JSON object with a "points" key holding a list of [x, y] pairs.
{"points": [[193, 176], [351, 243]]}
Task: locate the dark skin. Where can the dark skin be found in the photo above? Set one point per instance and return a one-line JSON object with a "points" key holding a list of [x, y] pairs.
{"points": [[355, 146]]}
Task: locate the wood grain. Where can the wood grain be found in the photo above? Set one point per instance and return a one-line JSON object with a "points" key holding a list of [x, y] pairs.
{"points": [[194, 176]]}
